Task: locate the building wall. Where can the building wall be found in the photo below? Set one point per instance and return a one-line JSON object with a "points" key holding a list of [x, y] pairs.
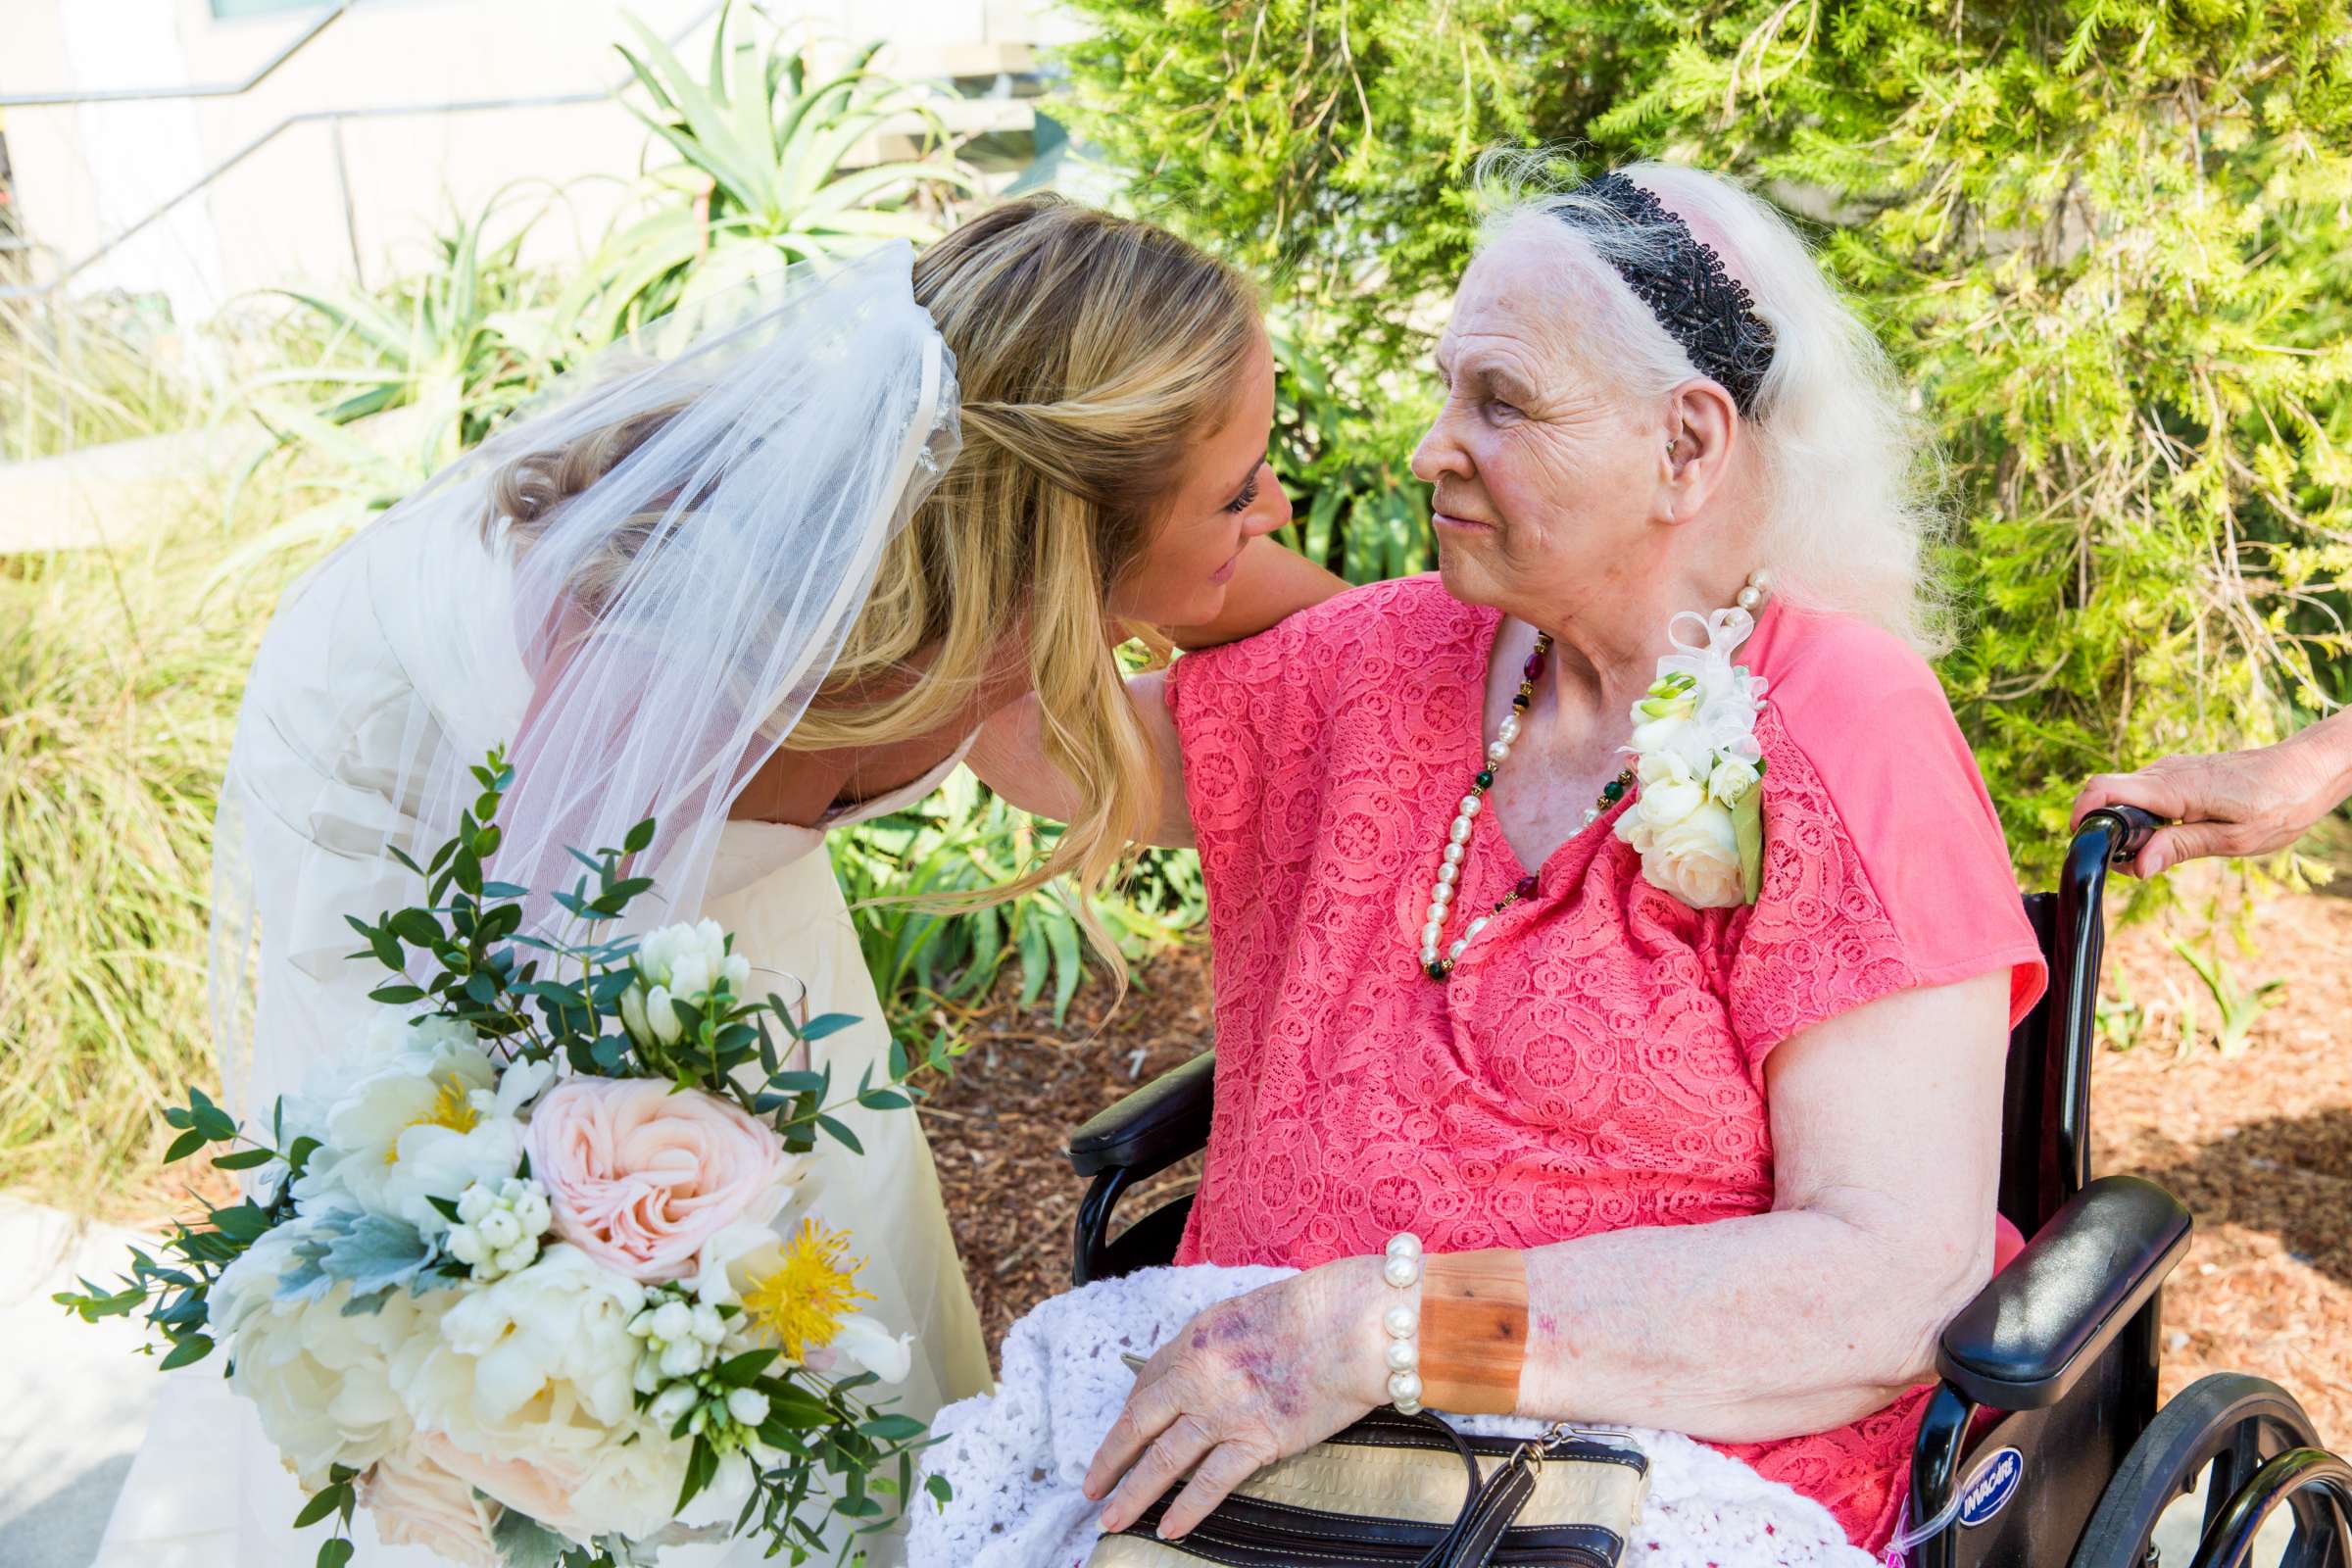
{"points": [[87, 171]]}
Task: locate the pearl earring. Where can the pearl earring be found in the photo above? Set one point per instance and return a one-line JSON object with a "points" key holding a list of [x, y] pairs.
{"points": [[1757, 589]]}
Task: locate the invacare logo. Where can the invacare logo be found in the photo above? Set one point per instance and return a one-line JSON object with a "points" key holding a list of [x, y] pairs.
{"points": [[1990, 1489]]}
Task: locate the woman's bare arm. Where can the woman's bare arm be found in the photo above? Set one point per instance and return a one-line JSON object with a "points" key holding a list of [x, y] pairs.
{"points": [[1886, 1158], [1011, 759], [1271, 583]]}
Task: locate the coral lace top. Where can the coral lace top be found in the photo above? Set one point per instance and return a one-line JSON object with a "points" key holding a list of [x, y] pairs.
{"points": [[1596, 1060]]}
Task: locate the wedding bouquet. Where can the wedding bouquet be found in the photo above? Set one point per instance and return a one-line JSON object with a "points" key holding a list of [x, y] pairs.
{"points": [[515, 1271]]}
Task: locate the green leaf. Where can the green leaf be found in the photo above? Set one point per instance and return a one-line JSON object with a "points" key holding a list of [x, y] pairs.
{"points": [[827, 1023], [210, 1119], [245, 1159], [335, 1553], [741, 1371], [416, 927], [325, 1501], [187, 1352], [1747, 829], [848, 1139], [702, 1464], [184, 1144], [524, 1542]]}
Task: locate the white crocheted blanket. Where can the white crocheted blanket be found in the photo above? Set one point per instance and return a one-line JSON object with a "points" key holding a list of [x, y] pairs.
{"points": [[1015, 1458]]}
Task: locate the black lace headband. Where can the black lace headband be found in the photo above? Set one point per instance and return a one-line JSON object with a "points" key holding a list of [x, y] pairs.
{"points": [[1693, 299]]}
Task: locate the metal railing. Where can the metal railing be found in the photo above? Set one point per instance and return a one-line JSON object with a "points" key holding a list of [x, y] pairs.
{"points": [[332, 116], [217, 89]]}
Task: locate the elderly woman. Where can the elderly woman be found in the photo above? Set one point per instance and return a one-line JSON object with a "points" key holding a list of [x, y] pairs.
{"points": [[1720, 1084]]}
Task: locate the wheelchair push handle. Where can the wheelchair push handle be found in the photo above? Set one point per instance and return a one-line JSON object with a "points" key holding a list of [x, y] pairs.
{"points": [[2129, 830]]}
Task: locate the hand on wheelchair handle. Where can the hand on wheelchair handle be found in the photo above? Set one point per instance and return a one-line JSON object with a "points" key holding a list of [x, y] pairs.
{"points": [[2232, 804]]}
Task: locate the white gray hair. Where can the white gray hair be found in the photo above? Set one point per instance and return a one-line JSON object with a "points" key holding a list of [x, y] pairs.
{"points": [[1849, 472]]}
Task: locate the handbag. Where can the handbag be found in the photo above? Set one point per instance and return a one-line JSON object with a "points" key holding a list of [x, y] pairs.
{"points": [[1409, 1491]]}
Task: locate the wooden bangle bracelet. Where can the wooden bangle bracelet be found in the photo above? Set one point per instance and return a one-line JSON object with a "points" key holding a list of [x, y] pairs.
{"points": [[1473, 1330]]}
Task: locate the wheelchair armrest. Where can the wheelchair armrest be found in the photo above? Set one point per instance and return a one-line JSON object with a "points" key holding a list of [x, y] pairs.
{"points": [[1152, 1128], [2048, 1317]]}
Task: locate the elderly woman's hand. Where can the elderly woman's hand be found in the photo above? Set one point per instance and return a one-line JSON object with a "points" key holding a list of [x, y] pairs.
{"points": [[1247, 1382], [2237, 803]]}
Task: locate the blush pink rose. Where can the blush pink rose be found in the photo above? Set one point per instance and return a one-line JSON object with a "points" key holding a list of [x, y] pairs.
{"points": [[638, 1177], [416, 1502]]}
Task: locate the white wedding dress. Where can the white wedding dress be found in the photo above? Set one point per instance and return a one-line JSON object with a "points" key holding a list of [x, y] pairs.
{"points": [[331, 723]]}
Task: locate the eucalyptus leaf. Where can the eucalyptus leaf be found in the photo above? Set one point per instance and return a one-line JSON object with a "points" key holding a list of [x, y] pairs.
{"points": [[524, 1542]]}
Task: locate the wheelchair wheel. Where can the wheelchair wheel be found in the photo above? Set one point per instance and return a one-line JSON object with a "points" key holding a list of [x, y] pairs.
{"points": [[2213, 1437]]}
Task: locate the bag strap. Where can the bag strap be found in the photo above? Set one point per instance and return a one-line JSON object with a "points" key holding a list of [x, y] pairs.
{"points": [[1489, 1507]]}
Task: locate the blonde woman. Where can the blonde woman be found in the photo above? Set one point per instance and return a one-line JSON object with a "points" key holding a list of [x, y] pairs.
{"points": [[756, 591]]}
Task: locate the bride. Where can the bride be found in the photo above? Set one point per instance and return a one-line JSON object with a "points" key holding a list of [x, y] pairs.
{"points": [[758, 589]]}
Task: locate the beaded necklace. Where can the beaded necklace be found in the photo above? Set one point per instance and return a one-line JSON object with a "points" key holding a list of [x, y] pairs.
{"points": [[1437, 959], [1438, 964]]}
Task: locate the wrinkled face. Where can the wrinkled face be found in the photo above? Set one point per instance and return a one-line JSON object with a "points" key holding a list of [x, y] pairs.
{"points": [[1547, 480], [1225, 497]]}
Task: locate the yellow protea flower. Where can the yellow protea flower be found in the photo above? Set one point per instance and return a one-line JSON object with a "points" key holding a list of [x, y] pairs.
{"points": [[802, 1300], [453, 1108]]}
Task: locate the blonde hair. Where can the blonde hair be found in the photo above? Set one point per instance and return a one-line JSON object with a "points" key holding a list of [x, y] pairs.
{"points": [[1091, 353], [1850, 474]]}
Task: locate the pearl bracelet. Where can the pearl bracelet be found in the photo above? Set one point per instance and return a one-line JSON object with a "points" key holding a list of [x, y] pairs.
{"points": [[1403, 1271]]}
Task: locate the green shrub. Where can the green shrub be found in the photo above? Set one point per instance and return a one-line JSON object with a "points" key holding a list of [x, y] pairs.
{"points": [[930, 966], [2107, 239], [1360, 512]]}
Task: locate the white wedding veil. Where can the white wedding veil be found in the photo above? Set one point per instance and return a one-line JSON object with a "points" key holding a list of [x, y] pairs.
{"points": [[637, 590]]}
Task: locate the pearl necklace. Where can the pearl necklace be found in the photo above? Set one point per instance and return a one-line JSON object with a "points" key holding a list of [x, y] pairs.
{"points": [[1437, 963]]}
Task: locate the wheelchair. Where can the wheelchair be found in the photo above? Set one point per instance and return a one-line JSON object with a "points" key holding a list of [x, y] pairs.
{"points": [[2043, 1442]]}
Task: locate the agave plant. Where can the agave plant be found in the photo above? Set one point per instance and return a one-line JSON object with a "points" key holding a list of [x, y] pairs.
{"points": [[761, 177], [464, 340]]}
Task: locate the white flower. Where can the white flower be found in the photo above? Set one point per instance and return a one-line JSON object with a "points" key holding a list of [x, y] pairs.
{"points": [[432, 1118], [1733, 777], [1694, 736], [868, 1343], [671, 1405], [498, 1233], [1669, 792], [1697, 860], [684, 962], [528, 1351], [320, 1381], [748, 1407]]}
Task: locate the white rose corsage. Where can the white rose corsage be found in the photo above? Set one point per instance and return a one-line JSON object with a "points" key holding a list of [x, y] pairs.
{"points": [[1697, 821]]}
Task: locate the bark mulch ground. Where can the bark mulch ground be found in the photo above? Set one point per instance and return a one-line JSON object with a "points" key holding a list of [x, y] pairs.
{"points": [[2259, 1146], [997, 1127]]}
